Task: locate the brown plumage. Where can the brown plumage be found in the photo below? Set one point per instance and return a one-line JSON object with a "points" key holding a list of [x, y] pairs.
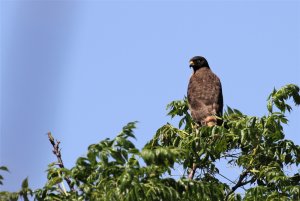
{"points": [[204, 93]]}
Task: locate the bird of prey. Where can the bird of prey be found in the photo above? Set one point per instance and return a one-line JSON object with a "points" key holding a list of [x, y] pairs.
{"points": [[204, 93]]}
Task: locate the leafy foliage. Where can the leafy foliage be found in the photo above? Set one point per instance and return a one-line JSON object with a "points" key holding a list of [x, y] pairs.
{"points": [[114, 169], [23, 193], [3, 168]]}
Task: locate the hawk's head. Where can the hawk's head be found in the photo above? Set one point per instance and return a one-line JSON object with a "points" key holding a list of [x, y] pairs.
{"points": [[198, 62]]}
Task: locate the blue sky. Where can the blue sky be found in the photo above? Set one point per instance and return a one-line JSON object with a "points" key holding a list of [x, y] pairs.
{"points": [[83, 70]]}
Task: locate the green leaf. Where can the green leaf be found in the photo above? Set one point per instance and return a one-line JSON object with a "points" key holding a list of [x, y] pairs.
{"points": [[25, 183], [229, 110], [278, 98], [4, 168], [237, 112], [54, 181], [288, 159]]}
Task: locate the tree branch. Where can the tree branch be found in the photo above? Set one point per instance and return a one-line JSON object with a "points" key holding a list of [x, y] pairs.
{"points": [[56, 151], [238, 184], [193, 171]]}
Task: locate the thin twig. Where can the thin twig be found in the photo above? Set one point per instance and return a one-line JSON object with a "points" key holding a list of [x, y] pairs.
{"points": [[57, 153], [194, 168], [226, 178], [208, 122]]}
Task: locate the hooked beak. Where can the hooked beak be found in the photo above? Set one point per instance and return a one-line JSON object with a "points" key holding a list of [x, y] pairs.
{"points": [[192, 63]]}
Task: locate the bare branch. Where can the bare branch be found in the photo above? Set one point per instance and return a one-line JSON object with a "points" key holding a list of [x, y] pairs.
{"points": [[57, 152]]}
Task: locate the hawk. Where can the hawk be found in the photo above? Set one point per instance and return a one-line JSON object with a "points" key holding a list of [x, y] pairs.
{"points": [[204, 93]]}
